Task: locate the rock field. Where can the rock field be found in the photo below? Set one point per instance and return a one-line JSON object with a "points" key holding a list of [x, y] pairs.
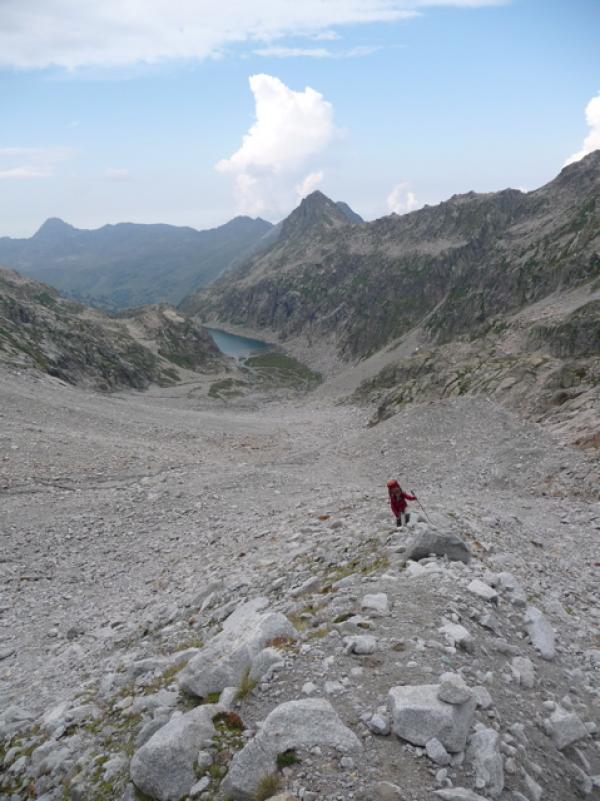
{"points": [[210, 601]]}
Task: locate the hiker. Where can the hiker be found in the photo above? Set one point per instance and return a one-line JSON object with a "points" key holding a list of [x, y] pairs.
{"points": [[398, 500]]}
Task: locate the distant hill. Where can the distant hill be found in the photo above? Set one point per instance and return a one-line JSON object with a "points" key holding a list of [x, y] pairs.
{"points": [[124, 265], [40, 329]]}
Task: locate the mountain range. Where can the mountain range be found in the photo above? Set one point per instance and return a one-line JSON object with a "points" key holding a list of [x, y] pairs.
{"points": [[125, 265], [496, 293]]}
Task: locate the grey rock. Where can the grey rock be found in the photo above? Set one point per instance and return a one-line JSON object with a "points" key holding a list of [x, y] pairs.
{"points": [[386, 791], [523, 670], [565, 728], [379, 724], [484, 753], [482, 696], [418, 715], [265, 663], [296, 724], [377, 602], [533, 788], [482, 590], [453, 689], [225, 659], [163, 768], [436, 752], [310, 585], [459, 794], [540, 632], [360, 644], [439, 543], [457, 636]]}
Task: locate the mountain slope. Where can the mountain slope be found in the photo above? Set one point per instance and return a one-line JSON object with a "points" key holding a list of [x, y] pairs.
{"points": [[40, 329], [124, 265], [452, 268]]}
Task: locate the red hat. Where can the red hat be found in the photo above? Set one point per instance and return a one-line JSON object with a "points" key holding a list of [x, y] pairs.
{"points": [[392, 484]]}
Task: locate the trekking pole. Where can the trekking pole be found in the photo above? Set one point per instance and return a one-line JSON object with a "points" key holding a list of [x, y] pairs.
{"points": [[421, 505]]}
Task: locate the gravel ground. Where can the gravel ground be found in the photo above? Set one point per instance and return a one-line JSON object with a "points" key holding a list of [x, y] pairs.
{"points": [[118, 512]]}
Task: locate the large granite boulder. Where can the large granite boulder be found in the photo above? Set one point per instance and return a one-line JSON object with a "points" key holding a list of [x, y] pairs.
{"points": [[228, 656], [418, 715]]}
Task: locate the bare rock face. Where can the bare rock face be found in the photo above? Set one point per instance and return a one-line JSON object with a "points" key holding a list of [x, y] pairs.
{"points": [[223, 662], [295, 724], [418, 715], [163, 768]]}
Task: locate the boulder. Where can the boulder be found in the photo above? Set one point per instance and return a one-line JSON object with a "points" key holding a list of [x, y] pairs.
{"points": [[377, 603], [457, 636], [453, 689], [483, 590], [565, 728], [295, 724], [484, 754], [440, 543], [361, 644], [418, 715], [163, 768], [436, 752], [523, 670], [224, 660], [540, 632]]}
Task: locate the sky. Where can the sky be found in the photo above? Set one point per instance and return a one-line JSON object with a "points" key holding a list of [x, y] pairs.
{"points": [[190, 112]]}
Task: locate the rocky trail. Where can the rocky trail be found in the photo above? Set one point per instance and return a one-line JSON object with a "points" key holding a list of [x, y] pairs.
{"points": [[209, 601]]}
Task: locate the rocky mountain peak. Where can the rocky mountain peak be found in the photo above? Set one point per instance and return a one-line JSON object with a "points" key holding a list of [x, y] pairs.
{"points": [[315, 210], [54, 229]]}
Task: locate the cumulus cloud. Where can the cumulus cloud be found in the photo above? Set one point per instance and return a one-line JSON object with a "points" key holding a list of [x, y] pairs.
{"points": [[290, 131], [401, 199], [31, 162], [72, 33], [592, 140], [309, 184]]}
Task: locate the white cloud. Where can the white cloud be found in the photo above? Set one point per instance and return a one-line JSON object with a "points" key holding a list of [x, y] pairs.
{"points": [[291, 129], [117, 174], [25, 172], [309, 184], [315, 52], [401, 199], [31, 162], [72, 33], [592, 140]]}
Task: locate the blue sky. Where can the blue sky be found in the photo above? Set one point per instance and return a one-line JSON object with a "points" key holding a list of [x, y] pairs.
{"points": [[109, 115]]}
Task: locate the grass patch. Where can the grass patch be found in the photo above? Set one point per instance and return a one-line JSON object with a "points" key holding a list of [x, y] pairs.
{"points": [[268, 786], [286, 759], [246, 685]]}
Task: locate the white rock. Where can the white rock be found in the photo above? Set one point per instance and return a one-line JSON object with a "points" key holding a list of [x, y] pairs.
{"points": [[484, 753], [482, 590], [360, 644], [163, 768], [418, 716], [453, 689], [308, 688], [523, 670], [378, 603], [295, 724], [540, 632], [436, 752], [457, 636], [225, 659], [565, 728]]}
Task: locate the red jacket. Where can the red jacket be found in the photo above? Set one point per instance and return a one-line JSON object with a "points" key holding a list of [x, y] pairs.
{"points": [[399, 504]]}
